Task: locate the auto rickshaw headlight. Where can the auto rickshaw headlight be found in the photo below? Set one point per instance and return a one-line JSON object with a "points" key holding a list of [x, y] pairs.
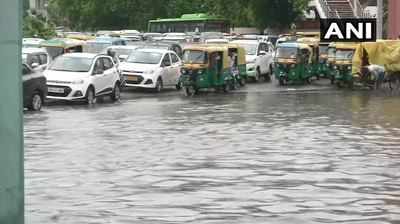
{"points": [[183, 71], [335, 67], [349, 67], [200, 71], [292, 65]]}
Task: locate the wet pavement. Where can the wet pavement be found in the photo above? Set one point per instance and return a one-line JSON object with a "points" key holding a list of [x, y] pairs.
{"points": [[263, 154]]}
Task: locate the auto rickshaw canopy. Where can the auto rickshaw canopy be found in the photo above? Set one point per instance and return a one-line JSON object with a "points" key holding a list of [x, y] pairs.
{"points": [[299, 46], [209, 49], [62, 43]]}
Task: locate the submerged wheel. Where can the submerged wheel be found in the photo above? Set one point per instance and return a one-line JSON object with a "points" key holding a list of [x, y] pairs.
{"points": [[36, 102], [159, 86], [116, 94], [90, 96], [178, 86], [258, 75], [281, 81], [242, 82], [189, 91]]}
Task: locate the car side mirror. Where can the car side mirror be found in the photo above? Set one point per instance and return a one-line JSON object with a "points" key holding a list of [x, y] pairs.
{"points": [[35, 65], [262, 53]]}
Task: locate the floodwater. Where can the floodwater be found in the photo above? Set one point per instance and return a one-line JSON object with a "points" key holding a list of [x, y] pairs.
{"points": [[251, 157]]}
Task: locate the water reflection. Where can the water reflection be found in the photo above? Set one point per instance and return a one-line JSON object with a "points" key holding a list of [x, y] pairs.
{"points": [[329, 157]]}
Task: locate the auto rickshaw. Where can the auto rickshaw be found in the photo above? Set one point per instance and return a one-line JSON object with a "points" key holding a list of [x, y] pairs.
{"points": [[323, 67], [293, 63], [237, 55], [382, 52], [206, 67], [314, 44], [342, 64], [58, 46], [83, 37], [315, 35]]}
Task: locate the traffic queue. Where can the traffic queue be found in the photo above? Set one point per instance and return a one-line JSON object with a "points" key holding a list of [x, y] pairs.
{"points": [[79, 67]]}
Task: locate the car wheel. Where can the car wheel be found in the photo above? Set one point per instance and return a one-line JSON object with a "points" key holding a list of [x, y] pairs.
{"points": [[159, 86], [116, 94], [36, 102], [91, 96], [242, 82]]}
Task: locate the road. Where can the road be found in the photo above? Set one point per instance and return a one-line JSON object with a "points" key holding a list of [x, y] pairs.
{"points": [[263, 154]]}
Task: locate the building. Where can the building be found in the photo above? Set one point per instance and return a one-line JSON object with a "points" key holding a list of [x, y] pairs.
{"points": [[39, 7]]}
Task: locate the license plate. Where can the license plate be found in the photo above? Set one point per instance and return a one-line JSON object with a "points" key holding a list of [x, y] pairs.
{"points": [[55, 90], [131, 78]]}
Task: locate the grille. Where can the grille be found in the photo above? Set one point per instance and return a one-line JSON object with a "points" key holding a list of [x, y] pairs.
{"points": [[67, 91], [138, 81]]}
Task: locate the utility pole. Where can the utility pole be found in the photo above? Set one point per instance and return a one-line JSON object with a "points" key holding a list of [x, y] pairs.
{"points": [[379, 19], [11, 130]]}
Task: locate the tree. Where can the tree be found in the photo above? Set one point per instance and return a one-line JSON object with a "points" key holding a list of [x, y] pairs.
{"points": [[278, 14], [35, 26]]}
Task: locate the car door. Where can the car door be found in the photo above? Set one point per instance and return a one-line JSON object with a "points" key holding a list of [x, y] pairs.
{"points": [[176, 69], [166, 70], [99, 78], [110, 72], [27, 85]]}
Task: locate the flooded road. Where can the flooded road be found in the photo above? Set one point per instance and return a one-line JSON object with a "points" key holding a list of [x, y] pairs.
{"points": [[256, 156]]}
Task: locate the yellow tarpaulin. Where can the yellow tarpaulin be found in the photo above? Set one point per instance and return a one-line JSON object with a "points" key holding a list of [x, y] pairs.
{"points": [[383, 52]]}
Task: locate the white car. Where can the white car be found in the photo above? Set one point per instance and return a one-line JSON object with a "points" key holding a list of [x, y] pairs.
{"points": [[259, 58], [31, 42], [36, 58], [82, 76], [152, 69]]}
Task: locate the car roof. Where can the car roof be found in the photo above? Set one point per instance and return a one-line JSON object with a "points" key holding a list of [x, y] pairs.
{"points": [[32, 50], [133, 47], [246, 41], [81, 55], [162, 51]]}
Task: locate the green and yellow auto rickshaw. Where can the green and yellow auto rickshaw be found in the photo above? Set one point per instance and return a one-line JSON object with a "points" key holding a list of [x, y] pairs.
{"points": [[293, 63], [58, 46], [323, 66], [342, 64], [314, 44], [237, 59], [206, 67]]}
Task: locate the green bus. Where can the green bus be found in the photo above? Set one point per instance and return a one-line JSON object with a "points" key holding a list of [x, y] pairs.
{"points": [[200, 22]]}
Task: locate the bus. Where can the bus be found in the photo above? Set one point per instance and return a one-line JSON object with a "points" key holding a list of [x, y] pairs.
{"points": [[200, 22]]}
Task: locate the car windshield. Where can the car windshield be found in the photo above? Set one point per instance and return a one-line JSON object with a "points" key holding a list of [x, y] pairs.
{"points": [[286, 52], [194, 57], [121, 51], [343, 54], [96, 47], [71, 64], [251, 49], [143, 57], [55, 51]]}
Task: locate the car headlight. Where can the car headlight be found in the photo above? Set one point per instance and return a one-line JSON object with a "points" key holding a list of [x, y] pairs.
{"points": [[77, 82]]}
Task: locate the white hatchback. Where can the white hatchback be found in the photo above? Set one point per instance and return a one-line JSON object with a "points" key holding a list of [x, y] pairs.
{"points": [[83, 76], [152, 69]]}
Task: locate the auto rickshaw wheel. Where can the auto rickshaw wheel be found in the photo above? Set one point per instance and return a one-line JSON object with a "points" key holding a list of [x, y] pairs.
{"points": [[189, 91], [281, 81], [332, 80], [242, 82]]}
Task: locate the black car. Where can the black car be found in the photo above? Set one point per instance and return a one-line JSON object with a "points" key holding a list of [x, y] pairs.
{"points": [[34, 88]]}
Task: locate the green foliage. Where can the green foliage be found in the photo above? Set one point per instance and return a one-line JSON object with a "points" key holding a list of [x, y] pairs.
{"points": [[134, 14], [35, 26], [277, 13]]}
